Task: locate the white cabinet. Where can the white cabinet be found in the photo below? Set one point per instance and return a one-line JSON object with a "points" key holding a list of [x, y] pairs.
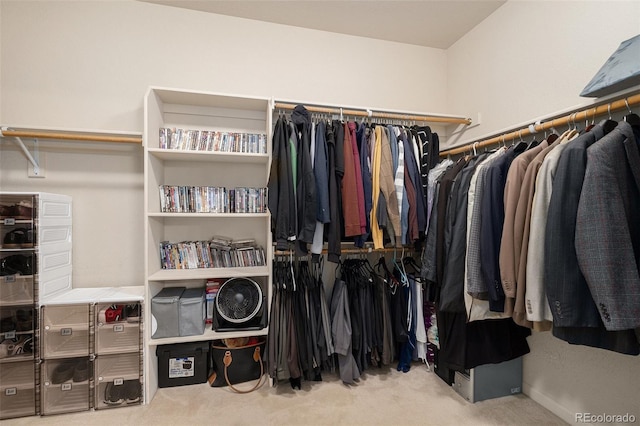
{"points": [[219, 168]]}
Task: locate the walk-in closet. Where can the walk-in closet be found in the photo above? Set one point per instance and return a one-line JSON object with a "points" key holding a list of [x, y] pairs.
{"points": [[380, 212]]}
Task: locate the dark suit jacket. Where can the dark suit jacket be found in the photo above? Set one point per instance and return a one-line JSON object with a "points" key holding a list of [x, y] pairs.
{"points": [[492, 205], [455, 244], [575, 316], [608, 228], [569, 297]]}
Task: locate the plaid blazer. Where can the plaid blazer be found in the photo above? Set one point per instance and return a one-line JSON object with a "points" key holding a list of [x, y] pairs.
{"points": [[608, 228]]}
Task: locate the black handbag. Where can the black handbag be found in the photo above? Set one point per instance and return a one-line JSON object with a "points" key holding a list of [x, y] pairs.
{"points": [[230, 366]]}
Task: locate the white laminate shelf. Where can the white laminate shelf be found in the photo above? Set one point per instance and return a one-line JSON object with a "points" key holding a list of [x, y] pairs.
{"points": [[204, 273], [208, 334], [208, 156], [210, 215]]}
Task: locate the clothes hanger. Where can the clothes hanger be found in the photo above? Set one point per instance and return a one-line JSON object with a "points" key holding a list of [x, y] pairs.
{"points": [[631, 118], [608, 124], [521, 146], [410, 261], [533, 142], [571, 131]]}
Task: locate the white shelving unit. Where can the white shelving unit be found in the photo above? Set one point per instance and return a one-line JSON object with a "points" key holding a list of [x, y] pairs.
{"points": [[194, 110]]}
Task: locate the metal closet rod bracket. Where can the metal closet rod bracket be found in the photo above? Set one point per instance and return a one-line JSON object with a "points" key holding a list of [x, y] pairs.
{"points": [[33, 159]]}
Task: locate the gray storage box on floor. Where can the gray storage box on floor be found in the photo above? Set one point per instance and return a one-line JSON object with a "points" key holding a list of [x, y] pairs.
{"points": [[165, 312], [490, 381], [192, 312]]}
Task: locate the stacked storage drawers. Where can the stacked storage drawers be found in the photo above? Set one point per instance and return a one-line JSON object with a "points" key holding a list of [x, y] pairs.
{"points": [[118, 361], [65, 351], [59, 353], [18, 295], [92, 356]]}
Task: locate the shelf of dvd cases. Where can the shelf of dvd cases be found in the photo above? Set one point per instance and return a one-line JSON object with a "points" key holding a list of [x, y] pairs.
{"points": [[220, 143], [212, 140], [212, 199]]}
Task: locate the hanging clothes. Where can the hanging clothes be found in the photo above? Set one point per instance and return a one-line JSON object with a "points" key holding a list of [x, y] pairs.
{"points": [[341, 333], [280, 187], [364, 147], [560, 275], [334, 226], [609, 250], [564, 281], [305, 179], [321, 173], [509, 255]]}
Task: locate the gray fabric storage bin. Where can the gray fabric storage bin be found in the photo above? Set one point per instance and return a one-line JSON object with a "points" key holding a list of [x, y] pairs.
{"points": [[192, 312], [165, 312]]}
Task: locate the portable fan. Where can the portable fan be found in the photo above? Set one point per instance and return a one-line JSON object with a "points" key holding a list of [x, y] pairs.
{"points": [[239, 306]]}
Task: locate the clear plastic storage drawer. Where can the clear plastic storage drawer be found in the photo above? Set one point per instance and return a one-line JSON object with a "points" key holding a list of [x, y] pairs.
{"points": [[117, 380], [16, 332], [17, 389], [117, 328], [65, 385], [65, 331], [16, 290]]}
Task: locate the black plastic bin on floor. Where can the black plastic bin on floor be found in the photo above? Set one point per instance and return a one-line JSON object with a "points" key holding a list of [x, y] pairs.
{"points": [[182, 364]]}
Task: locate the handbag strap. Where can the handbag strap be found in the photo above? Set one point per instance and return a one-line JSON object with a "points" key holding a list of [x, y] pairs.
{"points": [[227, 360]]}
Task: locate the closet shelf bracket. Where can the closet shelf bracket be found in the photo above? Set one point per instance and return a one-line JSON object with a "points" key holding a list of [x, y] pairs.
{"points": [[33, 158]]}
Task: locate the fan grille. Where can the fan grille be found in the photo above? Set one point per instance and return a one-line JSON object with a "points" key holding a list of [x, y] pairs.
{"points": [[239, 300]]}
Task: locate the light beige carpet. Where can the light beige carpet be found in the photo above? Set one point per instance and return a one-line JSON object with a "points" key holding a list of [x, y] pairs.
{"points": [[383, 397]]}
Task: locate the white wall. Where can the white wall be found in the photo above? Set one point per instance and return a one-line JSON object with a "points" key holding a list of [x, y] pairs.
{"points": [[526, 60], [87, 65], [533, 58]]}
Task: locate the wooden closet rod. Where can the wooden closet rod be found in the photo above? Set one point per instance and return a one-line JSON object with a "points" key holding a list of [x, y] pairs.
{"points": [[572, 118], [68, 136], [366, 250], [375, 114]]}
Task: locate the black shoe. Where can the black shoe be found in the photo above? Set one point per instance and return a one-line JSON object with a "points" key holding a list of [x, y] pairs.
{"points": [[7, 324], [16, 264], [18, 238], [132, 391], [63, 372], [132, 312], [113, 395], [24, 320], [81, 371]]}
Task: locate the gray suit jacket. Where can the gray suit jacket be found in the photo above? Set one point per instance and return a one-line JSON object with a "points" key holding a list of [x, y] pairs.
{"points": [[608, 228]]}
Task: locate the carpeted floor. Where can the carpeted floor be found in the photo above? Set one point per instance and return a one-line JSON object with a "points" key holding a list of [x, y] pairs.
{"points": [[382, 397]]}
